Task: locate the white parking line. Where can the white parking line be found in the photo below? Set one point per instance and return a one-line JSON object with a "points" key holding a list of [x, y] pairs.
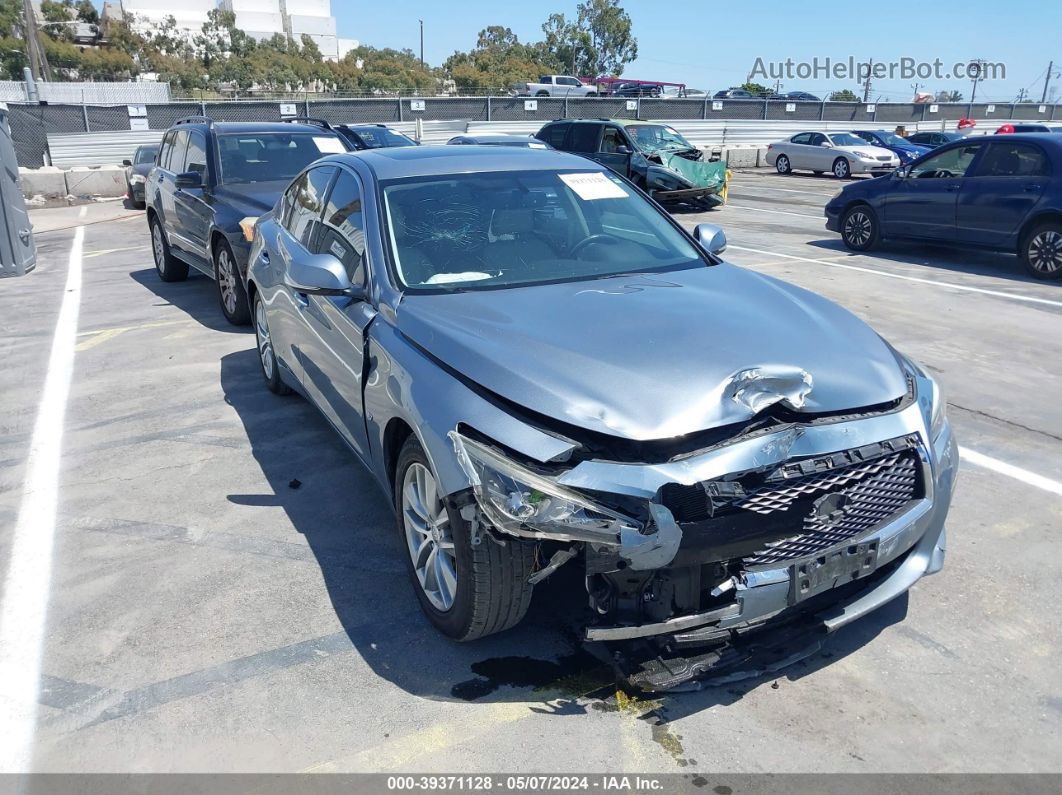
{"points": [[24, 610], [1010, 471], [778, 212], [950, 285], [739, 186]]}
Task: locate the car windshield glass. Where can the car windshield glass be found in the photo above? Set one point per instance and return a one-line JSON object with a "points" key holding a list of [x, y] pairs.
{"points": [[846, 139], [890, 139], [268, 157], [378, 137], [650, 137], [953, 136], [507, 229], [146, 154]]}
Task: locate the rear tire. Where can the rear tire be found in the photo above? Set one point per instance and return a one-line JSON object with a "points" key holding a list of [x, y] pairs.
{"points": [[231, 293], [841, 169], [782, 165], [860, 230], [1041, 251], [542, 94], [267, 355], [169, 268], [476, 590]]}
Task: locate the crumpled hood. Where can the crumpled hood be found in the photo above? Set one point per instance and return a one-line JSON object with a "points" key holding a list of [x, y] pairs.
{"points": [[658, 355], [254, 198]]}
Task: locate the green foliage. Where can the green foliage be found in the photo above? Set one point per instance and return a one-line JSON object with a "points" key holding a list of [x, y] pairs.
{"points": [[843, 96], [756, 89], [498, 61], [949, 96], [597, 43]]}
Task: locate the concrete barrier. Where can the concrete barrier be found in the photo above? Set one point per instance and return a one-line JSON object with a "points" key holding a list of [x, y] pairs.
{"points": [[49, 182], [741, 157], [102, 181]]}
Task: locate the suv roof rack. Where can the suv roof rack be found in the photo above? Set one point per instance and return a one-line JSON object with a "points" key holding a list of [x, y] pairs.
{"points": [[309, 120], [194, 120]]}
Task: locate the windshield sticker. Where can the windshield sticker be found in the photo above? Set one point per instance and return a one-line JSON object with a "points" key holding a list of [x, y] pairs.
{"points": [[328, 145], [593, 186], [449, 278], [337, 249]]}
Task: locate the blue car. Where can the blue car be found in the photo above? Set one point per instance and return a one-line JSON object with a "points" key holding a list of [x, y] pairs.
{"points": [[1000, 192], [904, 149]]}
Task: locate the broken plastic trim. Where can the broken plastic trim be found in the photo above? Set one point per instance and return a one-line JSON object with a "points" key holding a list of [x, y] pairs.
{"points": [[523, 503]]}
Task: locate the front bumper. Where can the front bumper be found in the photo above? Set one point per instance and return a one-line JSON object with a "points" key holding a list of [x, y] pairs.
{"points": [[876, 167], [710, 195], [833, 217]]}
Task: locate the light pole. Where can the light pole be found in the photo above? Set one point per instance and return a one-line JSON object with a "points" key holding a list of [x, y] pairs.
{"points": [[421, 21]]}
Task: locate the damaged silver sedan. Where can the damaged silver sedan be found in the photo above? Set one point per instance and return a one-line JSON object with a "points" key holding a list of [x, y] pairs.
{"points": [[543, 369]]}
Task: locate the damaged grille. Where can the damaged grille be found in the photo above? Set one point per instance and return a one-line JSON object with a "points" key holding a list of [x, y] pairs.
{"points": [[801, 507]]}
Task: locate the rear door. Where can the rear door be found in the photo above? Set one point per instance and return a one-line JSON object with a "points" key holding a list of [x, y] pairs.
{"points": [[173, 166], [19, 253], [997, 198], [923, 204]]}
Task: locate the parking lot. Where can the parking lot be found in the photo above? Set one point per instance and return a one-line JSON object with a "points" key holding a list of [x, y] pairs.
{"points": [[227, 593]]}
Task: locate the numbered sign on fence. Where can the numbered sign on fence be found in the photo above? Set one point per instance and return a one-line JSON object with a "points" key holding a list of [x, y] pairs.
{"points": [[632, 104], [416, 104], [932, 108], [530, 104], [990, 109], [717, 106], [790, 107], [871, 108], [288, 109]]}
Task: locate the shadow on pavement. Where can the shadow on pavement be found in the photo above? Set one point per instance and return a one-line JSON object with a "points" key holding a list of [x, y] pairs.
{"points": [[198, 297], [977, 262]]}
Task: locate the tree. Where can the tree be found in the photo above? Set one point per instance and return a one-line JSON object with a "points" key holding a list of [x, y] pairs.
{"points": [[949, 96], [843, 96], [756, 89], [498, 60], [599, 42]]}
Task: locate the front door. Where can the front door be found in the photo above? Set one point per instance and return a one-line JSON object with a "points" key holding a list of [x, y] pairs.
{"points": [[997, 198], [923, 204], [609, 154]]}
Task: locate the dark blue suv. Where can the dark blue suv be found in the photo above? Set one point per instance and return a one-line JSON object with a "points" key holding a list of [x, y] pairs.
{"points": [[210, 183], [1001, 192]]}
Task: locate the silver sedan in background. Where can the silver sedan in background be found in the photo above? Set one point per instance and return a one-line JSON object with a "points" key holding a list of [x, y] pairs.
{"points": [[841, 153]]}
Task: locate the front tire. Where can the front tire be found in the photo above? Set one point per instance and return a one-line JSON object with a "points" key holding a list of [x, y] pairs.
{"points": [[169, 268], [841, 169], [782, 165], [466, 591], [860, 229], [1041, 252], [267, 355], [231, 292]]}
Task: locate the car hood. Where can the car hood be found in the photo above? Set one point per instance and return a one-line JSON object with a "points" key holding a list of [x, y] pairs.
{"points": [[141, 168], [254, 198], [657, 355], [868, 151]]}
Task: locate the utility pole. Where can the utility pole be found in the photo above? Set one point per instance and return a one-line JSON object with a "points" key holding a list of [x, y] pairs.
{"points": [[1021, 95], [421, 21], [1047, 81], [866, 83], [977, 66], [38, 61]]}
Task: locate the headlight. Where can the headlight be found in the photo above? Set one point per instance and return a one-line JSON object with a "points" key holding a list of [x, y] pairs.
{"points": [[516, 500], [930, 398], [865, 156], [136, 179], [247, 226]]}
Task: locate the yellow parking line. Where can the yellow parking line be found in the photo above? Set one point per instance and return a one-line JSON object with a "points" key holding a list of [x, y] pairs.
{"points": [[99, 336]]}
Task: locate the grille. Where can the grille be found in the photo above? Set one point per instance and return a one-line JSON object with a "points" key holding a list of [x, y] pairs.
{"points": [[886, 158], [859, 502]]}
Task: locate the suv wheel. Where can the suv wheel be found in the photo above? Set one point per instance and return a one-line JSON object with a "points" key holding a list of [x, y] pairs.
{"points": [[267, 355], [231, 292], [170, 269], [1042, 251], [859, 228], [466, 591]]}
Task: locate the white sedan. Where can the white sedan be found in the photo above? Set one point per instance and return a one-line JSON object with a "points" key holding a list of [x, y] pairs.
{"points": [[841, 153]]}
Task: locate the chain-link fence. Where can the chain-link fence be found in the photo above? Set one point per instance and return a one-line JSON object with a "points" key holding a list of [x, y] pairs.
{"points": [[30, 124]]}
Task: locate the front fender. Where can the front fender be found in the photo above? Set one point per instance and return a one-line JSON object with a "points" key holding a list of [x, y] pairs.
{"points": [[406, 383]]}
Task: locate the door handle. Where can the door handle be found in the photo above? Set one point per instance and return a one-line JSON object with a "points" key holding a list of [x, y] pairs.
{"points": [[1033, 188], [302, 300], [265, 256], [951, 188]]}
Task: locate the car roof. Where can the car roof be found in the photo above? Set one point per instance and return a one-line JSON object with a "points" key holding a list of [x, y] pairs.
{"points": [[496, 137], [255, 127], [397, 162]]}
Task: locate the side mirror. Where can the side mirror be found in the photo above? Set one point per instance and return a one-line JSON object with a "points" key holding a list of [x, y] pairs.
{"points": [[710, 237], [321, 274], [623, 150], [189, 179], [127, 162], [901, 172], [826, 145]]}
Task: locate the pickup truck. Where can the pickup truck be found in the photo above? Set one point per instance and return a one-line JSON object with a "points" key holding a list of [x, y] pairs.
{"points": [[555, 86]]}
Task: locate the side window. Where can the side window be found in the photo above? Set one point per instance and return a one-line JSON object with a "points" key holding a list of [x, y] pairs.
{"points": [[306, 203], [180, 145], [165, 149], [196, 158], [802, 138], [1014, 160], [343, 227], [817, 139], [947, 165], [571, 81], [870, 139], [583, 138], [547, 79], [612, 140], [554, 134]]}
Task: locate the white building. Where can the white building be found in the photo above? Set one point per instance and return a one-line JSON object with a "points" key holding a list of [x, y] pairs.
{"points": [[295, 18], [189, 14], [258, 18]]}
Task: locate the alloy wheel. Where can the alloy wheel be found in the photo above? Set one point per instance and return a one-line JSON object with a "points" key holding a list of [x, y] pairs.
{"points": [[840, 169], [265, 344], [1045, 252], [227, 280], [429, 537], [782, 164], [858, 228], [157, 248]]}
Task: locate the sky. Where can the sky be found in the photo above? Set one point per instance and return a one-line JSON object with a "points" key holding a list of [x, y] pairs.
{"points": [[712, 46]]}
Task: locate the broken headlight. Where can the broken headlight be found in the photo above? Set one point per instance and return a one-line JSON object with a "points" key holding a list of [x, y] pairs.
{"points": [[516, 500], [930, 398]]}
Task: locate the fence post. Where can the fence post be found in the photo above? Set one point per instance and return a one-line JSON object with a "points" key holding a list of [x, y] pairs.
{"points": [[822, 110], [306, 104], [704, 109], [84, 112], [202, 108], [638, 107], [488, 107], [401, 117], [565, 106], [765, 101]]}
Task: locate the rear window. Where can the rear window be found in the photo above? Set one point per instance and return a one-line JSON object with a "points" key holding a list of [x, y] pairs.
{"points": [[554, 134], [379, 137], [146, 154], [269, 157]]}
